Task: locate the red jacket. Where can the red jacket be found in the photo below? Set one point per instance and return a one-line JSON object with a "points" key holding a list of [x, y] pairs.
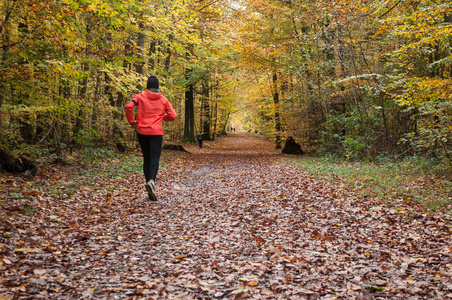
{"points": [[153, 108]]}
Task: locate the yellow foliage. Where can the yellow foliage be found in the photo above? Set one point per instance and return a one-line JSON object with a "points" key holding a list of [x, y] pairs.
{"points": [[419, 90]]}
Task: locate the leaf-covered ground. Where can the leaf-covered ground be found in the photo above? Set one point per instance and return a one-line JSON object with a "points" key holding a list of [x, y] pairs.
{"points": [[233, 221]]}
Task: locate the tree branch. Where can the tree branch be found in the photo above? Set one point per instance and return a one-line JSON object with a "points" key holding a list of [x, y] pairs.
{"points": [[7, 15], [208, 4], [390, 9]]}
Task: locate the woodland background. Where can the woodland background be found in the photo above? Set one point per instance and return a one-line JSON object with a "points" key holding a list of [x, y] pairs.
{"points": [[359, 79], [352, 81]]}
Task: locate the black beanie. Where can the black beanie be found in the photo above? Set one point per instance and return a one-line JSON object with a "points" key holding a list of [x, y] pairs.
{"points": [[153, 83]]}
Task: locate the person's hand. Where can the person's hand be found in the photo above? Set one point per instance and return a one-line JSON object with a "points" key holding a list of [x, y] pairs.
{"points": [[134, 124]]}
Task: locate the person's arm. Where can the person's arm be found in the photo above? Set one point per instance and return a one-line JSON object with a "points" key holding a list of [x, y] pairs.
{"points": [[129, 112], [170, 112]]}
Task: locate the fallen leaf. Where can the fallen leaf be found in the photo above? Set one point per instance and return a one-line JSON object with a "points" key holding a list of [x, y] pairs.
{"points": [[27, 250]]}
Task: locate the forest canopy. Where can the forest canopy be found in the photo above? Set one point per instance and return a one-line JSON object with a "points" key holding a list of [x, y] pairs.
{"points": [[355, 78]]}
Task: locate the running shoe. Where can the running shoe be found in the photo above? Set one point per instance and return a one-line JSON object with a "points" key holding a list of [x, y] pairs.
{"points": [[150, 187]]}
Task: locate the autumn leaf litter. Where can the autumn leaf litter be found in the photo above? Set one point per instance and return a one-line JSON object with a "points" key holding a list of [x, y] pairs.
{"points": [[233, 221]]}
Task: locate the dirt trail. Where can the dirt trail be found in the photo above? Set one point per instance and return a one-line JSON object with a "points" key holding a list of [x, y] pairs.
{"points": [[243, 221], [236, 221]]}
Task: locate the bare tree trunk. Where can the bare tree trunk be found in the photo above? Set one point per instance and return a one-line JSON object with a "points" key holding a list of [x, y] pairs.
{"points": [[82, 91], [277, 110], [168, 58], [152, 51], [121, 101], [189, 128], [201, 110], [215, 121], [95, 115], [6, 41], [206, 120], [385, 123], [139, 66], [211, 112]]}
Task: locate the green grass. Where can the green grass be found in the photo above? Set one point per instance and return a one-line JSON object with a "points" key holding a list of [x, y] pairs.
{"points": [[413, 181]]}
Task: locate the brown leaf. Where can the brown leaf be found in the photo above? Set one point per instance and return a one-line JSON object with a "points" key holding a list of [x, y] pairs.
{"points": [[240, 296]]}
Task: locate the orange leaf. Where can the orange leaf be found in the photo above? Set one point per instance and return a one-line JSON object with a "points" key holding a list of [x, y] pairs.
{"points": [[253, 282]]}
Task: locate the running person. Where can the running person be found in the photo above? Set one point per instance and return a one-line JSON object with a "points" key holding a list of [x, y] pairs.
{"points": [[153, 108]]}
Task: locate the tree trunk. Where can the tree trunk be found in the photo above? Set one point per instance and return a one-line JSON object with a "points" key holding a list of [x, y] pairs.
{"points": [[206, 120], [139, 65], [82, 92], [189, 128], [168, 57], [277, 113], [211, 112], [201, 110], [6, 40], [152, 51], [121, 101], [225, 124], [95, 126], [215, 121], [108, 80]]}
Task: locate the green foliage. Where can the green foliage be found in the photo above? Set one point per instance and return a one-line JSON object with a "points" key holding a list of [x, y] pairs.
{"points": [[350, 134], [92, 154], [358, 81], [363, 76], [72, 66], [86, 138], [10, 136], [435, 129]]}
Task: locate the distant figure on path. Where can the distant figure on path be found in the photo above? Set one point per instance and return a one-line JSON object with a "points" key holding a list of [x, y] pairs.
{"points": [[199, 138], [153, 109]]}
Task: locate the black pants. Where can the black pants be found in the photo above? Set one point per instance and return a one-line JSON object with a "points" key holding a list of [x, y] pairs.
{"points": [[200, 144], [151, 146]]}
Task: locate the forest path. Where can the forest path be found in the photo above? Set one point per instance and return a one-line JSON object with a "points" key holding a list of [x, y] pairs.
{"points": [[233, 221], [237, 220]]}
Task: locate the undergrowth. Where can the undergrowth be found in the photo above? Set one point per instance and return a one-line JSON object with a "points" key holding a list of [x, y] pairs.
{"points": [[86, 169], [413, 181]]}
